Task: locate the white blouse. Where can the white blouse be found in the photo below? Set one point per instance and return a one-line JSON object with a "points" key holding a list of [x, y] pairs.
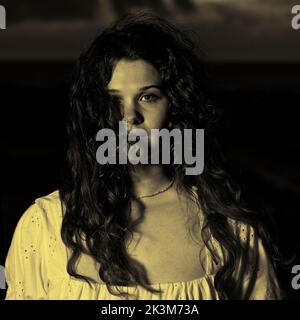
{"points": [[36, 263]]}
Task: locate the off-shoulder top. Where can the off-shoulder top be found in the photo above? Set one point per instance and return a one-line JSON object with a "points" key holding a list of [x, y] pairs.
{"points": [[36, 265]]}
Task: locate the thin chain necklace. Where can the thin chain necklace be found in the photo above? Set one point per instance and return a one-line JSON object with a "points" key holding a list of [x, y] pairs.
{"points": [[157, 192]]}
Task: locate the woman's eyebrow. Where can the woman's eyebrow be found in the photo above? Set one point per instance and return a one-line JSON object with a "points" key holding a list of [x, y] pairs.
{"points": [[151, 86], [141, 89]]}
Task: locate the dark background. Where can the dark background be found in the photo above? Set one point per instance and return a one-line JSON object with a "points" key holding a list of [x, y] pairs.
{"points": [[253, 60]]}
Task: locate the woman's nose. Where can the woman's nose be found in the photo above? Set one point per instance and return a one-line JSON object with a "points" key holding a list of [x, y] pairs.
{"points": [[132, 115]]}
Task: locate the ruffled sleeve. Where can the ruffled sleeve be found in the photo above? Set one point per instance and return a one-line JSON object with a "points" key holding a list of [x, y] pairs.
{"points": [[24, 265], [256, 275]]}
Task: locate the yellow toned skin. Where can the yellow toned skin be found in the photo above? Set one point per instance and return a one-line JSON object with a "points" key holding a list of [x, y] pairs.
{"points": [[162, 243], [35, 266], [165, 243], [167, 240]]}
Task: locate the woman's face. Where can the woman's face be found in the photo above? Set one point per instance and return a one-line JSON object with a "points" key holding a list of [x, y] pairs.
{"points": [[138, 86]]}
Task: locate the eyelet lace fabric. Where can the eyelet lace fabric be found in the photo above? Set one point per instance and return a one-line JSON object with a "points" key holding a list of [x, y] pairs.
{"points": [[36, 263]]}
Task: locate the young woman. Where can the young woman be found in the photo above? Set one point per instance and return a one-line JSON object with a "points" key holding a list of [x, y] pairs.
{"points": [[121, 231]]}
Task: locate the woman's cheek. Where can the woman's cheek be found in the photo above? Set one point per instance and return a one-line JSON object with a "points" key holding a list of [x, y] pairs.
{"points": [[161, 116], [157, 123]]}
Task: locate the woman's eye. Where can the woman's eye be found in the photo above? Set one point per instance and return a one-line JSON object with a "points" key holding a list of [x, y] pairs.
{"points": [[149, 97]]}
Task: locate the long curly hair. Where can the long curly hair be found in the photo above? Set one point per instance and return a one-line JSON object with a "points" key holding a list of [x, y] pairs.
{"points": [[97, 198]]}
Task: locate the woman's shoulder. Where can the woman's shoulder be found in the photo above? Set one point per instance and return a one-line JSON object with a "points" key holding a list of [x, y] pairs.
{"points": [[50, 204], [34, 243], [45, 211], [38, 225]]}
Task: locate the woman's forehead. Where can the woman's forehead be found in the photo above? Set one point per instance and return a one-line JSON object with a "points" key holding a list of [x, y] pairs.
{"points": [[130, 74]]}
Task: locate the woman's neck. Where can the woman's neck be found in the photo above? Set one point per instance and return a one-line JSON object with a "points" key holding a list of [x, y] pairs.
{"points": [[148, 179]]}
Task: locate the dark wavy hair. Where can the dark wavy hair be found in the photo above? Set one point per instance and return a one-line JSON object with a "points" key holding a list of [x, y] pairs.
{"points": [[97, 198]]}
